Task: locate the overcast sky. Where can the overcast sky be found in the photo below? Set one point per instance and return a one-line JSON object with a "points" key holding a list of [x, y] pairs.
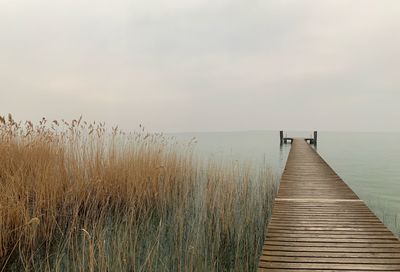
{"points": [[204, 65]]}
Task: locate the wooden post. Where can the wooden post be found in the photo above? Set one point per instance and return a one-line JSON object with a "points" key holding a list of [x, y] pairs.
{"points": [[315, 137], [281, 135]]}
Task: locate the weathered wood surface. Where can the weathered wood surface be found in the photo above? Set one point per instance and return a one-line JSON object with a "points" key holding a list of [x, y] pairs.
{"points": [[319, 224]]}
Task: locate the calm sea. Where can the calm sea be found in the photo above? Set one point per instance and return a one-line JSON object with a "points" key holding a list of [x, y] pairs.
{"points": [[368, 162]]}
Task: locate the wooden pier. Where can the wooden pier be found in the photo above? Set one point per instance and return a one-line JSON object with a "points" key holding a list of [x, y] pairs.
{"points": [[319, 224]]}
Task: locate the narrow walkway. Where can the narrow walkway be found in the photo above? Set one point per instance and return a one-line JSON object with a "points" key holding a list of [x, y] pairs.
{"points": [[319, 224]]}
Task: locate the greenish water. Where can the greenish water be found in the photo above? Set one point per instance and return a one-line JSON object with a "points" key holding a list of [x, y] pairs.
{"points": [[256, 147], [368, 162]]}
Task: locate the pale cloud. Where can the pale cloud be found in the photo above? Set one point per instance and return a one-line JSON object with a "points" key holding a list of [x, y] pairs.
{"points": [[202, 65]]}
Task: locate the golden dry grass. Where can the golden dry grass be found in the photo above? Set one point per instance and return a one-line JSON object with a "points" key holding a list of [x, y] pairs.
{"points": [[76, 198]]}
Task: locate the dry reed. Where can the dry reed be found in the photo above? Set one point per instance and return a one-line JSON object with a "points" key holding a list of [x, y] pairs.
{"points": [[74, 197]]}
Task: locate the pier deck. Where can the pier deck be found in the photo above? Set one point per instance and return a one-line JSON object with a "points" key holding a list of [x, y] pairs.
{"points": [[319, 224]]}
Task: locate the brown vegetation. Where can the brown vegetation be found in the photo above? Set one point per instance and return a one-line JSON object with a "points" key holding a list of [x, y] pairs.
{"points": [[76, 198]]}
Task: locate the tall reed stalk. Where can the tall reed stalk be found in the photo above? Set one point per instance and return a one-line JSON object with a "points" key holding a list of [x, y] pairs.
{"points": [[74, 197]]}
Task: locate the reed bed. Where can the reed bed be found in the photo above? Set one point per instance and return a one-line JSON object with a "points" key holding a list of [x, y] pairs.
{"points": [[77, 197]]}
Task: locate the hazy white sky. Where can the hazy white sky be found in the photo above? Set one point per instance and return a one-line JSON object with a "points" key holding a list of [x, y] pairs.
{"points": [[204, 65]]}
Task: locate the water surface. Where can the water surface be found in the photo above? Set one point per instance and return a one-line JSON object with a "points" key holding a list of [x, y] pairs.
{"points": [[368, 162], [255, 147]]}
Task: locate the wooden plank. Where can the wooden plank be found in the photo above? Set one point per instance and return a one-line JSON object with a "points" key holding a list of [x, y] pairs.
{"points": [[362, 255], [319, 224], [333, 266], [308, 270], [334, 260], [298, 248]]}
